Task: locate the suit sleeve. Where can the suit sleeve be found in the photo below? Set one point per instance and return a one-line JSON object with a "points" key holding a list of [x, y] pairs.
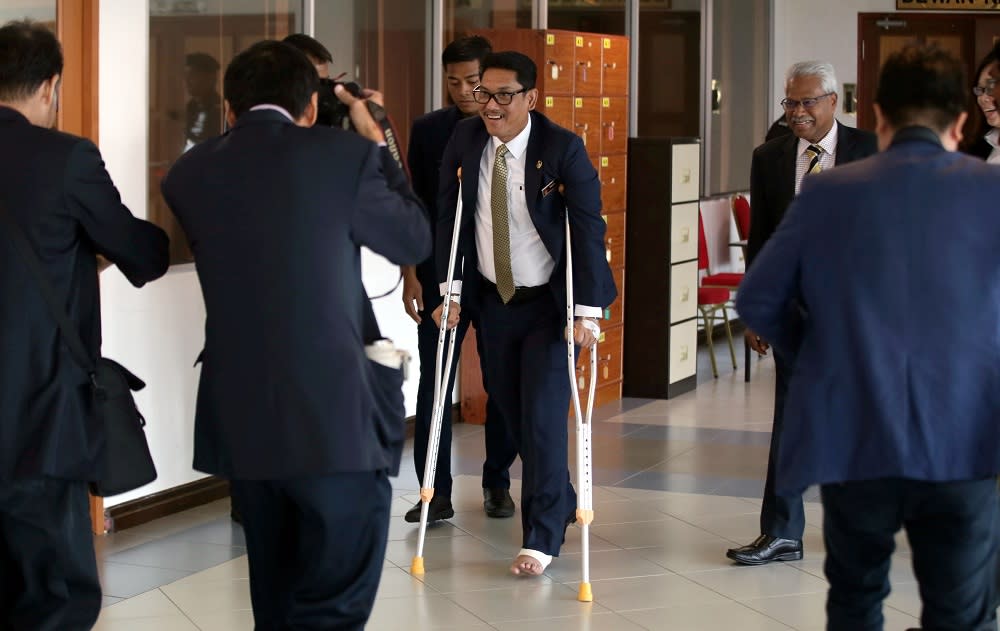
{"points": [[769, 300], [388, 218], [446, 203], [593, 284], [139, 248], [761, 223], [418, 165]]}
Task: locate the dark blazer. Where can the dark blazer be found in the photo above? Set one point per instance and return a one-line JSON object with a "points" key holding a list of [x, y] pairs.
{"points": [[895, 262], [56, 187], [428, 138], [576, 189], [772, 178], [276, 215]]}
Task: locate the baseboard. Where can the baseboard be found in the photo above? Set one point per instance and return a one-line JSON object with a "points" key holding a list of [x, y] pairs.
{"points": [[180, 498]]}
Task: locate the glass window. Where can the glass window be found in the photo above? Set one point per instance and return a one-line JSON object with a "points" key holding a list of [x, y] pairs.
{"points": [[43, 11], [669, 99], [462, 16], [588, 16], [739, 106], [190, 44]]}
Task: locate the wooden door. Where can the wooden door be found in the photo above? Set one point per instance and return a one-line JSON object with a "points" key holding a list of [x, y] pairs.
{"points": [[966, 36]]}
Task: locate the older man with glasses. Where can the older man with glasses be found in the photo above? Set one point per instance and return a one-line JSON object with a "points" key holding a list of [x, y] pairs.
{"points": [[817, 143]]}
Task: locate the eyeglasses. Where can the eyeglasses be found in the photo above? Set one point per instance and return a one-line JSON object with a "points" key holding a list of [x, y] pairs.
{"points": [[481, 96], [792, 104], [981, 90]]}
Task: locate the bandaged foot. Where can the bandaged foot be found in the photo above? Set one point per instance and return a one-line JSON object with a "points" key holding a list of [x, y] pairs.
{"points": [[530, 563]]}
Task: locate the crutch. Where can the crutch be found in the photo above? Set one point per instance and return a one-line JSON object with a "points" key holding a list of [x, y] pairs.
{"points": [[584, 464], [442, 373]]}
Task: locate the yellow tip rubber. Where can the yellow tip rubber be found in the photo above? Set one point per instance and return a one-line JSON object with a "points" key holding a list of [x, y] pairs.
{"points": [[585, 595], [417, 567]]}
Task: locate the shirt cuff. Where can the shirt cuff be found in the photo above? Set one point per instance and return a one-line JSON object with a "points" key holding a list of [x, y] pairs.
{"points": [[583, 311], [456, 290]]}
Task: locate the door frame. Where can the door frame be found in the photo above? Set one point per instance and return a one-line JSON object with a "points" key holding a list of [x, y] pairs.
{"points": [[77, 30]]}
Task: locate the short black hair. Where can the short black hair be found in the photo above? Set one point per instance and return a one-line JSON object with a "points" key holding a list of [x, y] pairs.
{"points": [[310, 46], [30, 55], [921, 85], [202, 62], [270, 72], [523, 67], [472, 48]]}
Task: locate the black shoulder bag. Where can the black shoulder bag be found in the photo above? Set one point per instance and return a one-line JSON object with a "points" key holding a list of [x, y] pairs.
{"points": [[125, 462]]}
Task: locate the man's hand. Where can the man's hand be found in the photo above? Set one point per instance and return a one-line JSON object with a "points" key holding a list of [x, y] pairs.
{"points": [[360, 115], [413, 293], [584, 335], [756, 343], [454, 312]]}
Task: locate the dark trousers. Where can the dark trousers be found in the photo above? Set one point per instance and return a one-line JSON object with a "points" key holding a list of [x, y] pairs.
{"points": [[952, 528], [48, 573], [500, 450], [315, 547], [526, 368], [780, 515]]}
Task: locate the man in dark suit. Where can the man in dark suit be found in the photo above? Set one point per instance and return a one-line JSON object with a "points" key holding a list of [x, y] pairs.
{"points": [[431, 132], [521, 175], [817, 143], [276, 212], [54, 187], [872, 257]]}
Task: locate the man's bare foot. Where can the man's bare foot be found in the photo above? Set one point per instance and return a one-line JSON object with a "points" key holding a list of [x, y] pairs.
{"points": [[530, 563]]}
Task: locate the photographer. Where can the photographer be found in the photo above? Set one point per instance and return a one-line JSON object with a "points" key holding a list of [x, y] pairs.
{"points": [[276, 211]]}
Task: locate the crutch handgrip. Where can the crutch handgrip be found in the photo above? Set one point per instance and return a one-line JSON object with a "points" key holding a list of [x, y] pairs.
{"points": [[426, 495], [584, 517]]}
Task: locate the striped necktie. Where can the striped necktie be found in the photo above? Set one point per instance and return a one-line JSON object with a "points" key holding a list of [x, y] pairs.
{"points": [[814, 152], [501, 227]]}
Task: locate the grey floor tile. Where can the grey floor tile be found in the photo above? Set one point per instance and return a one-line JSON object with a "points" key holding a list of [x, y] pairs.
{"points": [[177, 555], [125, 581], [110, 600], [222, 532]]}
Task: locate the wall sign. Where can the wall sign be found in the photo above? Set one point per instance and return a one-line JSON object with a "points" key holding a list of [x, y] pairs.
{"points": [[948, 5]]}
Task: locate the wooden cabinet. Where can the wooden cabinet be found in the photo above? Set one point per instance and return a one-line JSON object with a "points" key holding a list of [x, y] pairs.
{"points": [[583, 87], [660, 348]]}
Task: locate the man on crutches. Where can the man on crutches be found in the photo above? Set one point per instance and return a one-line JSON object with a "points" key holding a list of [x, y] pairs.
{"points": [[521, 177]]}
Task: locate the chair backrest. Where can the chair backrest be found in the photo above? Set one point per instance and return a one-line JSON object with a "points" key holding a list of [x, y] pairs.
{"points": [[702, 245], [741, 213]]}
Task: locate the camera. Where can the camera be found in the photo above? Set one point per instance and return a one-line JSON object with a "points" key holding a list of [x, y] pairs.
{"points": [[332, 112]]}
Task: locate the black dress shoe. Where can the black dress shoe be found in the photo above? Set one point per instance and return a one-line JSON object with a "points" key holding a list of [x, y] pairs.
{"points": [[766, 549], [235, 515], [439, 509], [498, 503]]}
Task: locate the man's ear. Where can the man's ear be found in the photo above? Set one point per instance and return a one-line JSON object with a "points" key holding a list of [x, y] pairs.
{"points": [[50, 89], [230, 116], [954, 132], [532, 98], [883, 130], [309, 115]]}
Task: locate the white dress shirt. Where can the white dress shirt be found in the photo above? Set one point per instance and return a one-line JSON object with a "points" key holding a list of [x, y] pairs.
{"points": [[993, 137], [827, 159]]}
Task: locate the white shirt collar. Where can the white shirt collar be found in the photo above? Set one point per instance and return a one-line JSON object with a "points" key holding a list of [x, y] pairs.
{"points": [[272, 106], [993, 137], [518, 144], [828, 143]]}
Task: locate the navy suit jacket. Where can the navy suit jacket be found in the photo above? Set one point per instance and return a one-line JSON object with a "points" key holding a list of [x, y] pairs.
{"points": [[555, 155], [56, 188], [428, 139], [276, 215], [895, 263], [772, 178]]}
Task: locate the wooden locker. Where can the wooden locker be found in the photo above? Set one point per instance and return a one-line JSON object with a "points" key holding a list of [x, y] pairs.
{"points": [[614, 124], [614, 65], [587, 122], [613, 174], [614, 315], [587, 60], [614, 240], [558, 109]]}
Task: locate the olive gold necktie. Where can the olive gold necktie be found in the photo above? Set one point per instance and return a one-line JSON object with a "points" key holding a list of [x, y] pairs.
{"points": [[814, 152], [501, 227]]}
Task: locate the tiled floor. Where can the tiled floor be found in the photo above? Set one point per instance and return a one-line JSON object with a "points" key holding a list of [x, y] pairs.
{"points": [[678, 481]]}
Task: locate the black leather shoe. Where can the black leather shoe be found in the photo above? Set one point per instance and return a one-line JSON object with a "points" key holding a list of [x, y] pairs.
{"points": [[235, 515], [766, 549], [498, 503], [439, 509]]}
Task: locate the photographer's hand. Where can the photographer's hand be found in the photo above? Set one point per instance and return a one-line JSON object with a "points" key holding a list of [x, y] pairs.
{"points": [[360, 115]]}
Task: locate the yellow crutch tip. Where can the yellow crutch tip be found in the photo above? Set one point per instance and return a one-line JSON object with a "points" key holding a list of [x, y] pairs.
{"points": [[417, 567], [586, 595]]}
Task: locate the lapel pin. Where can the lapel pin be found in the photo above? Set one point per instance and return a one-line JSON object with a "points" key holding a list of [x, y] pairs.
{"points": [[538, 164]]}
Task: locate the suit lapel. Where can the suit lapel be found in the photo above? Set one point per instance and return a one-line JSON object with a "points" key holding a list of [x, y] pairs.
{"points": [[845, 145], [532, 158], [787, 186]]}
